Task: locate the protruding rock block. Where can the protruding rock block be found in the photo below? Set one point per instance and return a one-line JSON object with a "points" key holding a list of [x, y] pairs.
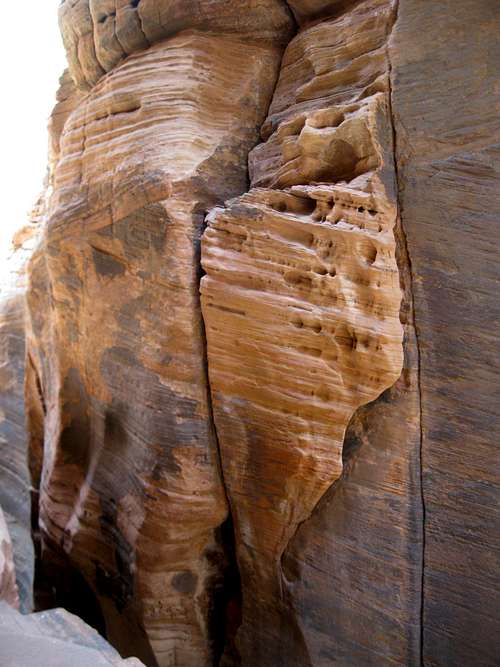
{"points": [[98, 34], [301, 302], [123, 447]]}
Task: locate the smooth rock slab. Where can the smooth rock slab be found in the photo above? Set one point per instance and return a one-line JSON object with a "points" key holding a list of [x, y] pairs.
{"points": [[53, 639]]}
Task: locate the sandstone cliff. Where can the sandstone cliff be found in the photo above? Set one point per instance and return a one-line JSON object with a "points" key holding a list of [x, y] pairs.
{"points": [[259, 374]]}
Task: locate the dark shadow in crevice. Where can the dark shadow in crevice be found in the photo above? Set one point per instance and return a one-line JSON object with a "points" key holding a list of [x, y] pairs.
{"points": [[59, 584], [226, 617]]}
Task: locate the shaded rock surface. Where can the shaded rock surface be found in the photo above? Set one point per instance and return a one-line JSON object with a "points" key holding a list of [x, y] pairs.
{"points": [[14, 471], [303, 474], [8, 586], [130, 497], [56, 638], [448, 150]]}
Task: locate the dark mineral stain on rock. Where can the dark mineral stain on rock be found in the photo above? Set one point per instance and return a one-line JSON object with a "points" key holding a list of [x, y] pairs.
{"points": [[118, 584], [174, 426], [106, 265], [74, 441], [185, 582]]}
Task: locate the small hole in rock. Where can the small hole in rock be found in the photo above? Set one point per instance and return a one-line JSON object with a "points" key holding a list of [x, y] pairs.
{"points": [[372, 211], [361, 209], [135, 3]]}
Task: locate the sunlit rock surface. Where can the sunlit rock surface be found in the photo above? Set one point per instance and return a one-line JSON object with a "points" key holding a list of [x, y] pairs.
{"points": [[303, 474], [130, 495], [98, 34], [302, 306]]}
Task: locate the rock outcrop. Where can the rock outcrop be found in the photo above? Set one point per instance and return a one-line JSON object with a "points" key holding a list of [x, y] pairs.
{"points": [[8, 586], [98, 34], [130, 495], [14, 471], [302, 304], [296, 467], [54, 638]]}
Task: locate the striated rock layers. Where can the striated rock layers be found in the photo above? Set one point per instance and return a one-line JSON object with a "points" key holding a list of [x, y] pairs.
{"points": [[130, 495], [302, 305], [8, 586], [14, 472], [296, 468]]}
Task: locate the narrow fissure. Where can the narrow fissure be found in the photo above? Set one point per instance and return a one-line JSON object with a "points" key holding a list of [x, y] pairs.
{"points": [[227, 613], [406, 258]]}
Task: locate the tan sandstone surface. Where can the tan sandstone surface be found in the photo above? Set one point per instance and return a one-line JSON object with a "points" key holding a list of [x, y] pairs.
{"points": [[130, 495], [261, 363]]}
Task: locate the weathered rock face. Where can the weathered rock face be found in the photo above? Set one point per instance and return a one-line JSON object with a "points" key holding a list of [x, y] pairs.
{"points": [[302, 305], [448, 139], [55, 638], [14, 472], [130, 492], [8, 586], [98, 34], [298, 469]]}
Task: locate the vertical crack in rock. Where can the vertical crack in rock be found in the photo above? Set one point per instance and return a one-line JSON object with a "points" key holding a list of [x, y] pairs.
{"points": [[231, 595], [130, 496], [301, 299], [406, 257]]}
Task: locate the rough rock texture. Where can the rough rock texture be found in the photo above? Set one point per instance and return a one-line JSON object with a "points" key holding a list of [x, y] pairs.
{"points": [[8, 586], [14, 472], [325, 494], [54, 638], [130, 493], [302, 307], [98, 34], [448, 151]]}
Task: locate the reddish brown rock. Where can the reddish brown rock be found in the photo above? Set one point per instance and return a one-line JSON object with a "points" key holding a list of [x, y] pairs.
{"points": [[98, 34], [365, 531], [446, 98], [317, 10], [130, 493], [302, 306]]}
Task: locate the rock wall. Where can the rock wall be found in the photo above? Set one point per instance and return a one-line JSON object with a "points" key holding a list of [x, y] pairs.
{"points": [[9, 593], [448, 142], [296, 468], [14, 471], [131, 501]]}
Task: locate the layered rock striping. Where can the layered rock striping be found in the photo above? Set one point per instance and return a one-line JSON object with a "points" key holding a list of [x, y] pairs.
{"points": [[297, 469], [130, 495]]}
